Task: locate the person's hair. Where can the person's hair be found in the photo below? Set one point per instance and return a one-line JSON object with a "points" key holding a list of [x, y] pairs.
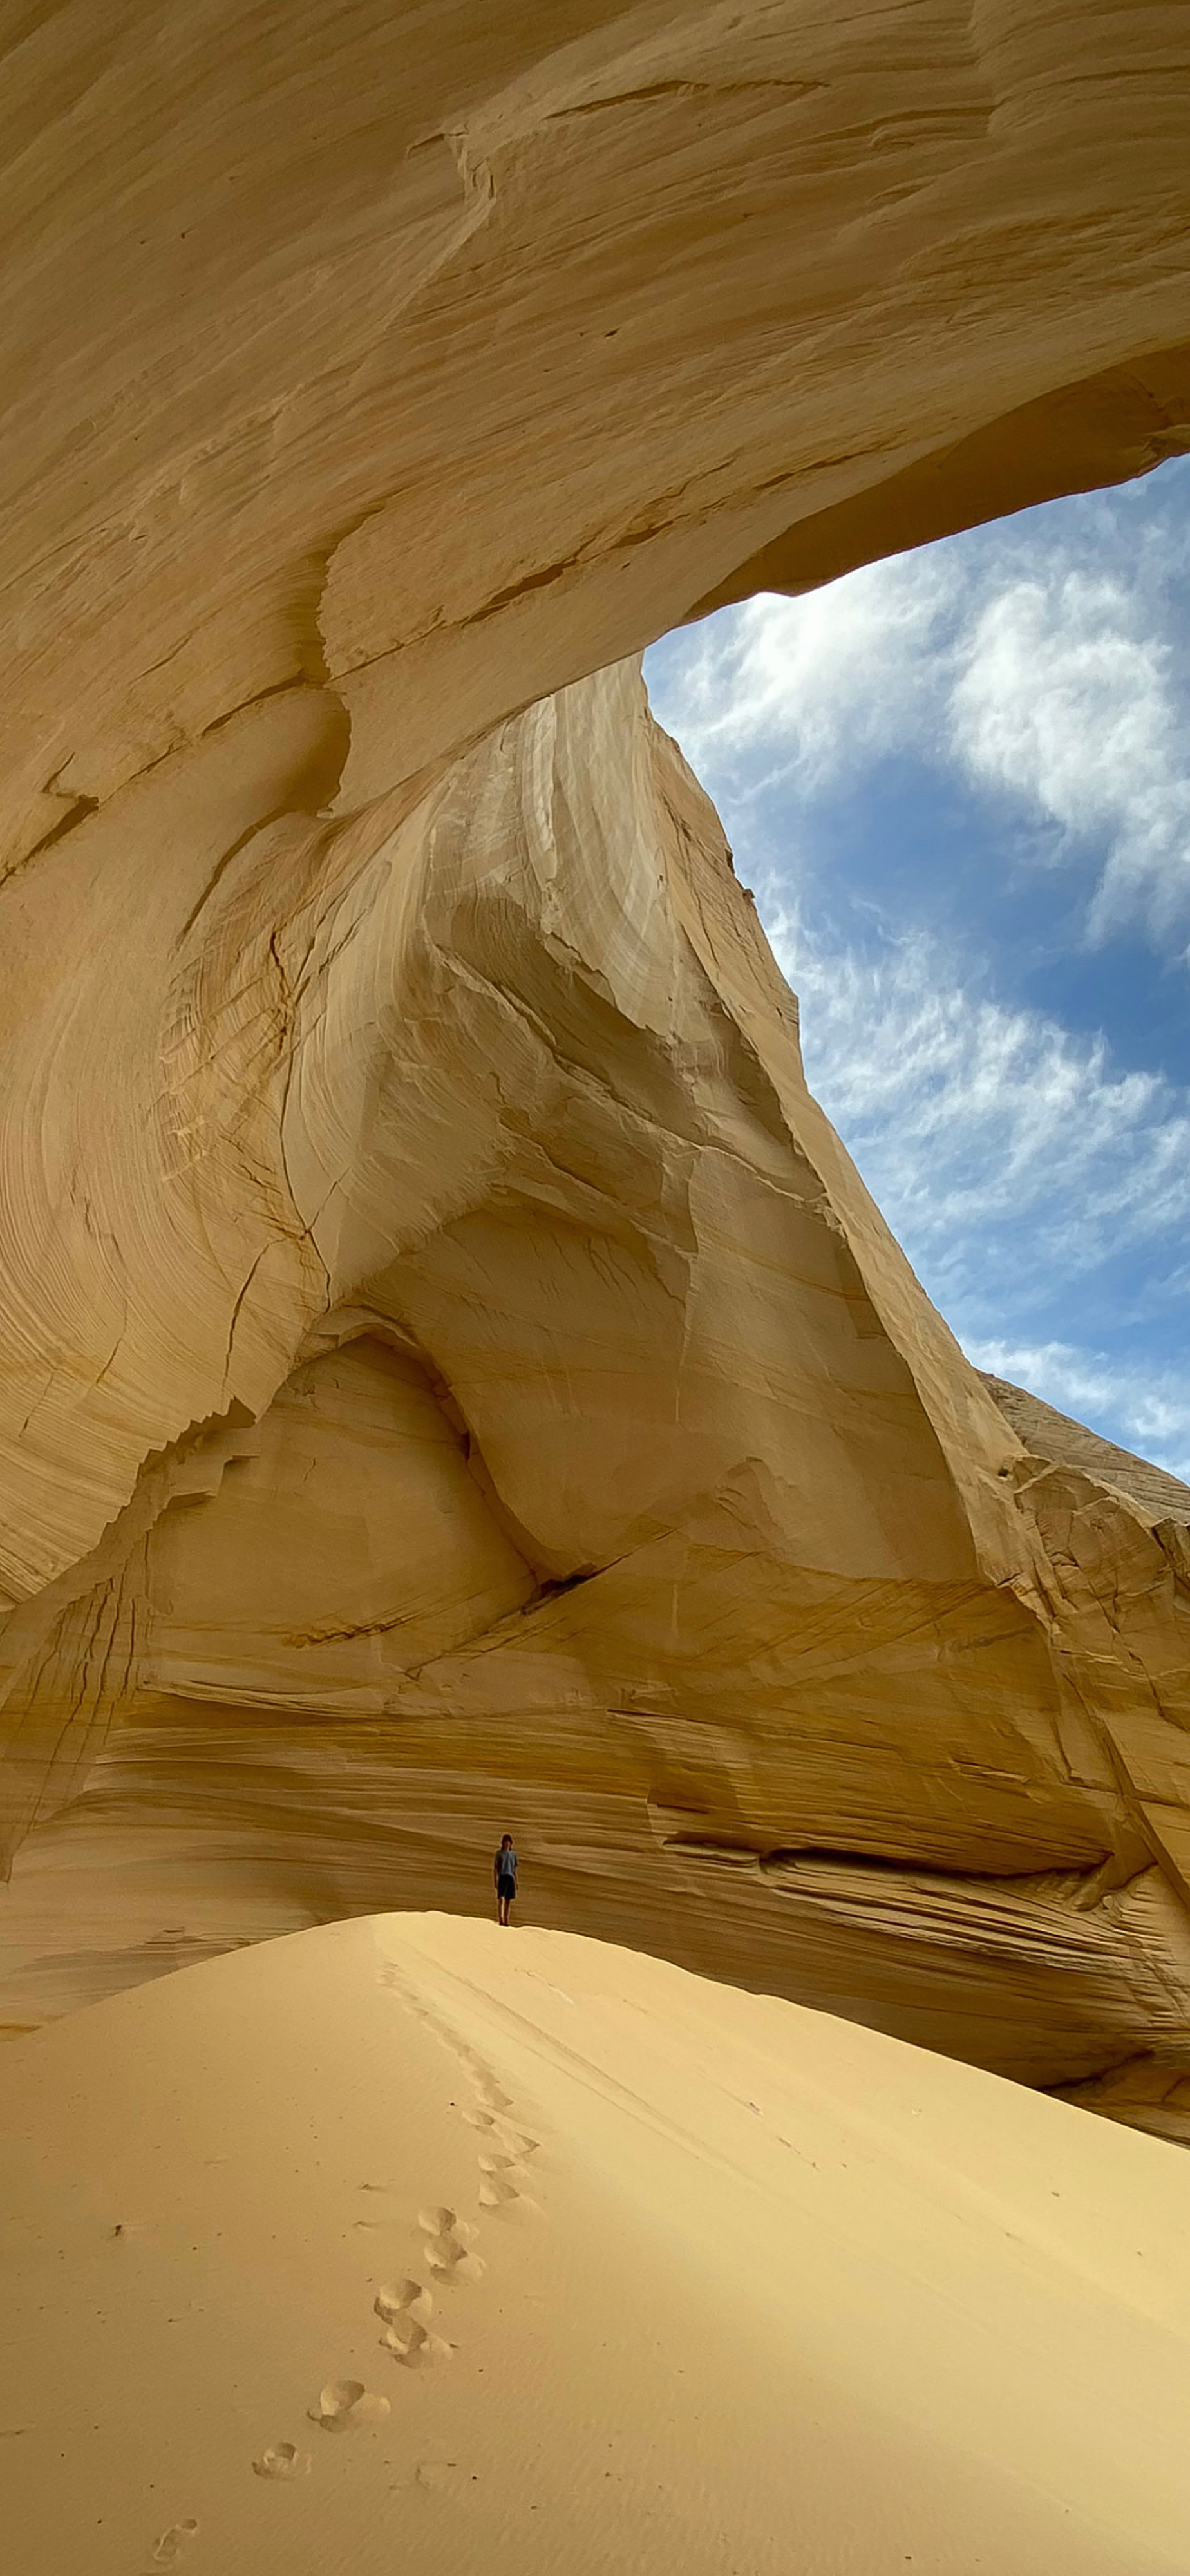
{"points": [[505, 1840]]}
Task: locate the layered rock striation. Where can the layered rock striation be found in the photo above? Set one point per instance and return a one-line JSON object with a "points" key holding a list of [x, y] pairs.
{"points": [[453, 1375]]}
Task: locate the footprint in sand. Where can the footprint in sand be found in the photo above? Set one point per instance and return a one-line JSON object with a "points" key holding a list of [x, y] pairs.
{"points": [[517, 2142], [490, 2097], [414, 2345], [503, 2181], [345, 2404], [404, 2299], [169, 2548], [489, 2094], [448, 2245], [497, 2193], [439, 2220], [282, 2460], [496, 2132]]}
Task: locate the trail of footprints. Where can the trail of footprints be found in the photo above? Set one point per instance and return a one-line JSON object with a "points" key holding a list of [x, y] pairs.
{"points": [[407, 2309]]}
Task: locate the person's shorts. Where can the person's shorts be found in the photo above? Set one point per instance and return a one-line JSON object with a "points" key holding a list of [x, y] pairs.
{"points": [[506, 1890]]}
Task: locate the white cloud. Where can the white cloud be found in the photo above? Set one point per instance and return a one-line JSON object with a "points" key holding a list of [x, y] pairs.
{"points": [[1039, 667], [975, 1112], [813, 683], [1148, 1411], [1013, 1162], [1063, 696]]}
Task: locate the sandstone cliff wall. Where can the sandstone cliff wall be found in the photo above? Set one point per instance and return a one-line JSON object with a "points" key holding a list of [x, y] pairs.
{"points": [[452, 1373]]}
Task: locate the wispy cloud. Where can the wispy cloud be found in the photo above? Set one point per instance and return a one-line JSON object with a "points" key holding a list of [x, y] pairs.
{"points": [[1021, 1173], [1149, 1409], [800, 689], [1040, 667], [1007, 1153], [1062, 696]]}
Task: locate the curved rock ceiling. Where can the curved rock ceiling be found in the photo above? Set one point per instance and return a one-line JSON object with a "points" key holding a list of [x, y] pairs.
{"points": [[453, 1375]]}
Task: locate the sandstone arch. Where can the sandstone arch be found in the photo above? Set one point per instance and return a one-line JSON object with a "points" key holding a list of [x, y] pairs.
{"points": [[374, 980]]}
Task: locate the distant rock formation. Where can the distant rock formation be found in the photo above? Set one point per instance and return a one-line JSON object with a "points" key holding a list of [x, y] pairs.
{"points": [[453, 1375], [1050, 1434]]}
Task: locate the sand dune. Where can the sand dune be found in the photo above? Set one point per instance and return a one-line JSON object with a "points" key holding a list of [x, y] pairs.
{"points": [[410, 2244]]}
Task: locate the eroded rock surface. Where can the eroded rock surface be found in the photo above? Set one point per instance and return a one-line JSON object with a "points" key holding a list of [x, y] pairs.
{"points": [[1053, 1435], [453, 1374]]}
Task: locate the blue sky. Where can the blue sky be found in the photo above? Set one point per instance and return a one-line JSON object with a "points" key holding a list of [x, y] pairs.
{"points": [[959, 785]]}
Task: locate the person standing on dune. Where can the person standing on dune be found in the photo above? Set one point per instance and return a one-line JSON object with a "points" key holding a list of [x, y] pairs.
{"points": [[504, 1875]]}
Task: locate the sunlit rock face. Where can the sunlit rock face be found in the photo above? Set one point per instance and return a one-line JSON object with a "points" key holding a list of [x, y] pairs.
{"points": [[454, 1379]]}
